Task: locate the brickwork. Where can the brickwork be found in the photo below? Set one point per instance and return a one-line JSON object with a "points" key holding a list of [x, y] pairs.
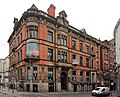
{"points": [[55, 45]]}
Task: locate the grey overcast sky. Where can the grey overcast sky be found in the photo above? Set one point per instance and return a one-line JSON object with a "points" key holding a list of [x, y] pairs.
{"points": [[98, 17]]}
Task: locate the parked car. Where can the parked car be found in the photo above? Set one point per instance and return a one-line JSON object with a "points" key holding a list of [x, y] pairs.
{"points": [[101, 91]]}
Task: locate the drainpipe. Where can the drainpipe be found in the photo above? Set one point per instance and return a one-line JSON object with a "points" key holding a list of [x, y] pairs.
{"points": [[55, 58]]}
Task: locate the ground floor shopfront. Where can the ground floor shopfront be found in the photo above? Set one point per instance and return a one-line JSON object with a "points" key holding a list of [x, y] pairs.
{"points": [[50, 87], [41, 78]]}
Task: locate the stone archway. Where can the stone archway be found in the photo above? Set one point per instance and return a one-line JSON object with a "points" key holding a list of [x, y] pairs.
{"points": [[64, 81]]}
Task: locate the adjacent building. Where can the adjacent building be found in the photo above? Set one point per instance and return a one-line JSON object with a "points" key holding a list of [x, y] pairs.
{"points": [[4, 71], [117, 57], [48, 54], [112, 64], [1, 72]]}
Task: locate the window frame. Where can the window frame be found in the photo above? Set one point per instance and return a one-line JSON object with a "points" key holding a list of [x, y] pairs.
{"points": [[87, 76], [62, 39], [50, 74], [81, 76], [92, 62], [50, 36], [73, 44], [81, 61], [59, 40], [87, 62], [87, 48], [74, 75], [35, 78], [32, 31], [63, 56], [50, 54], [81, 47], [59, 56]]}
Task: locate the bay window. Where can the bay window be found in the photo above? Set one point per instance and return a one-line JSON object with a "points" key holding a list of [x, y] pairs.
{"points": [[32, 31]]}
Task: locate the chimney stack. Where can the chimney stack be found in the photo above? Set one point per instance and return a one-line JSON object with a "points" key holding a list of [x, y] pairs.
{"points": [[51, 10]]}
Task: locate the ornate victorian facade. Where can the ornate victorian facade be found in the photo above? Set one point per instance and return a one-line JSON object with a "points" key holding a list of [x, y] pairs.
{"points": [[48, 54]]}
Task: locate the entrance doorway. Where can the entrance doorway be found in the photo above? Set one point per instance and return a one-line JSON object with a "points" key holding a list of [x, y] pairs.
{"points": [[27, 87], [51, 87], [35, 88], [64, 81], [75, 87]]}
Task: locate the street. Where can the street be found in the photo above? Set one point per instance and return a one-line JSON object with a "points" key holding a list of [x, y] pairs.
{"points": [[61, 94], [4, 95], [49, 94], [57, 94]]}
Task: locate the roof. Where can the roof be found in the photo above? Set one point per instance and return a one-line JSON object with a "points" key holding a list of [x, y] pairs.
{"points": [[33, 7]]}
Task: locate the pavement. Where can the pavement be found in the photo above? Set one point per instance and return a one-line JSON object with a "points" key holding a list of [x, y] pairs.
{"points": [[16, 93], [11, 92]]}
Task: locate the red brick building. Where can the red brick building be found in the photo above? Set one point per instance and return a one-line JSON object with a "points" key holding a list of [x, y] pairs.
{"points": [[112, 64], [48, 54]]}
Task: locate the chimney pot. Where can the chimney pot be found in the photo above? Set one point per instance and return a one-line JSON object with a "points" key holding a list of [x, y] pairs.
{"points": [[51, 10]]}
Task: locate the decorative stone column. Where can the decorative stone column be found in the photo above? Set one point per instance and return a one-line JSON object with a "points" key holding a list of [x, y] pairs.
{"points": [[69, 80], [59, 79]]}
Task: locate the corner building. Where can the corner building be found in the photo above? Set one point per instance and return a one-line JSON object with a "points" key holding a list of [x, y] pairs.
{"points": [[48, 54]]}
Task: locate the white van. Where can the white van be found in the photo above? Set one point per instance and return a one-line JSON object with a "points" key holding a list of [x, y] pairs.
{"points": [[101, 91]]}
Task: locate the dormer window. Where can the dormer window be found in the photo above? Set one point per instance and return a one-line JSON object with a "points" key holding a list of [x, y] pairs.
{"points": [[33, 9], [62, 18]]}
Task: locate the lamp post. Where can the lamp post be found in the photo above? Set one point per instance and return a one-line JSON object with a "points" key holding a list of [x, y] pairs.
{"points": [[55, 60]]}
